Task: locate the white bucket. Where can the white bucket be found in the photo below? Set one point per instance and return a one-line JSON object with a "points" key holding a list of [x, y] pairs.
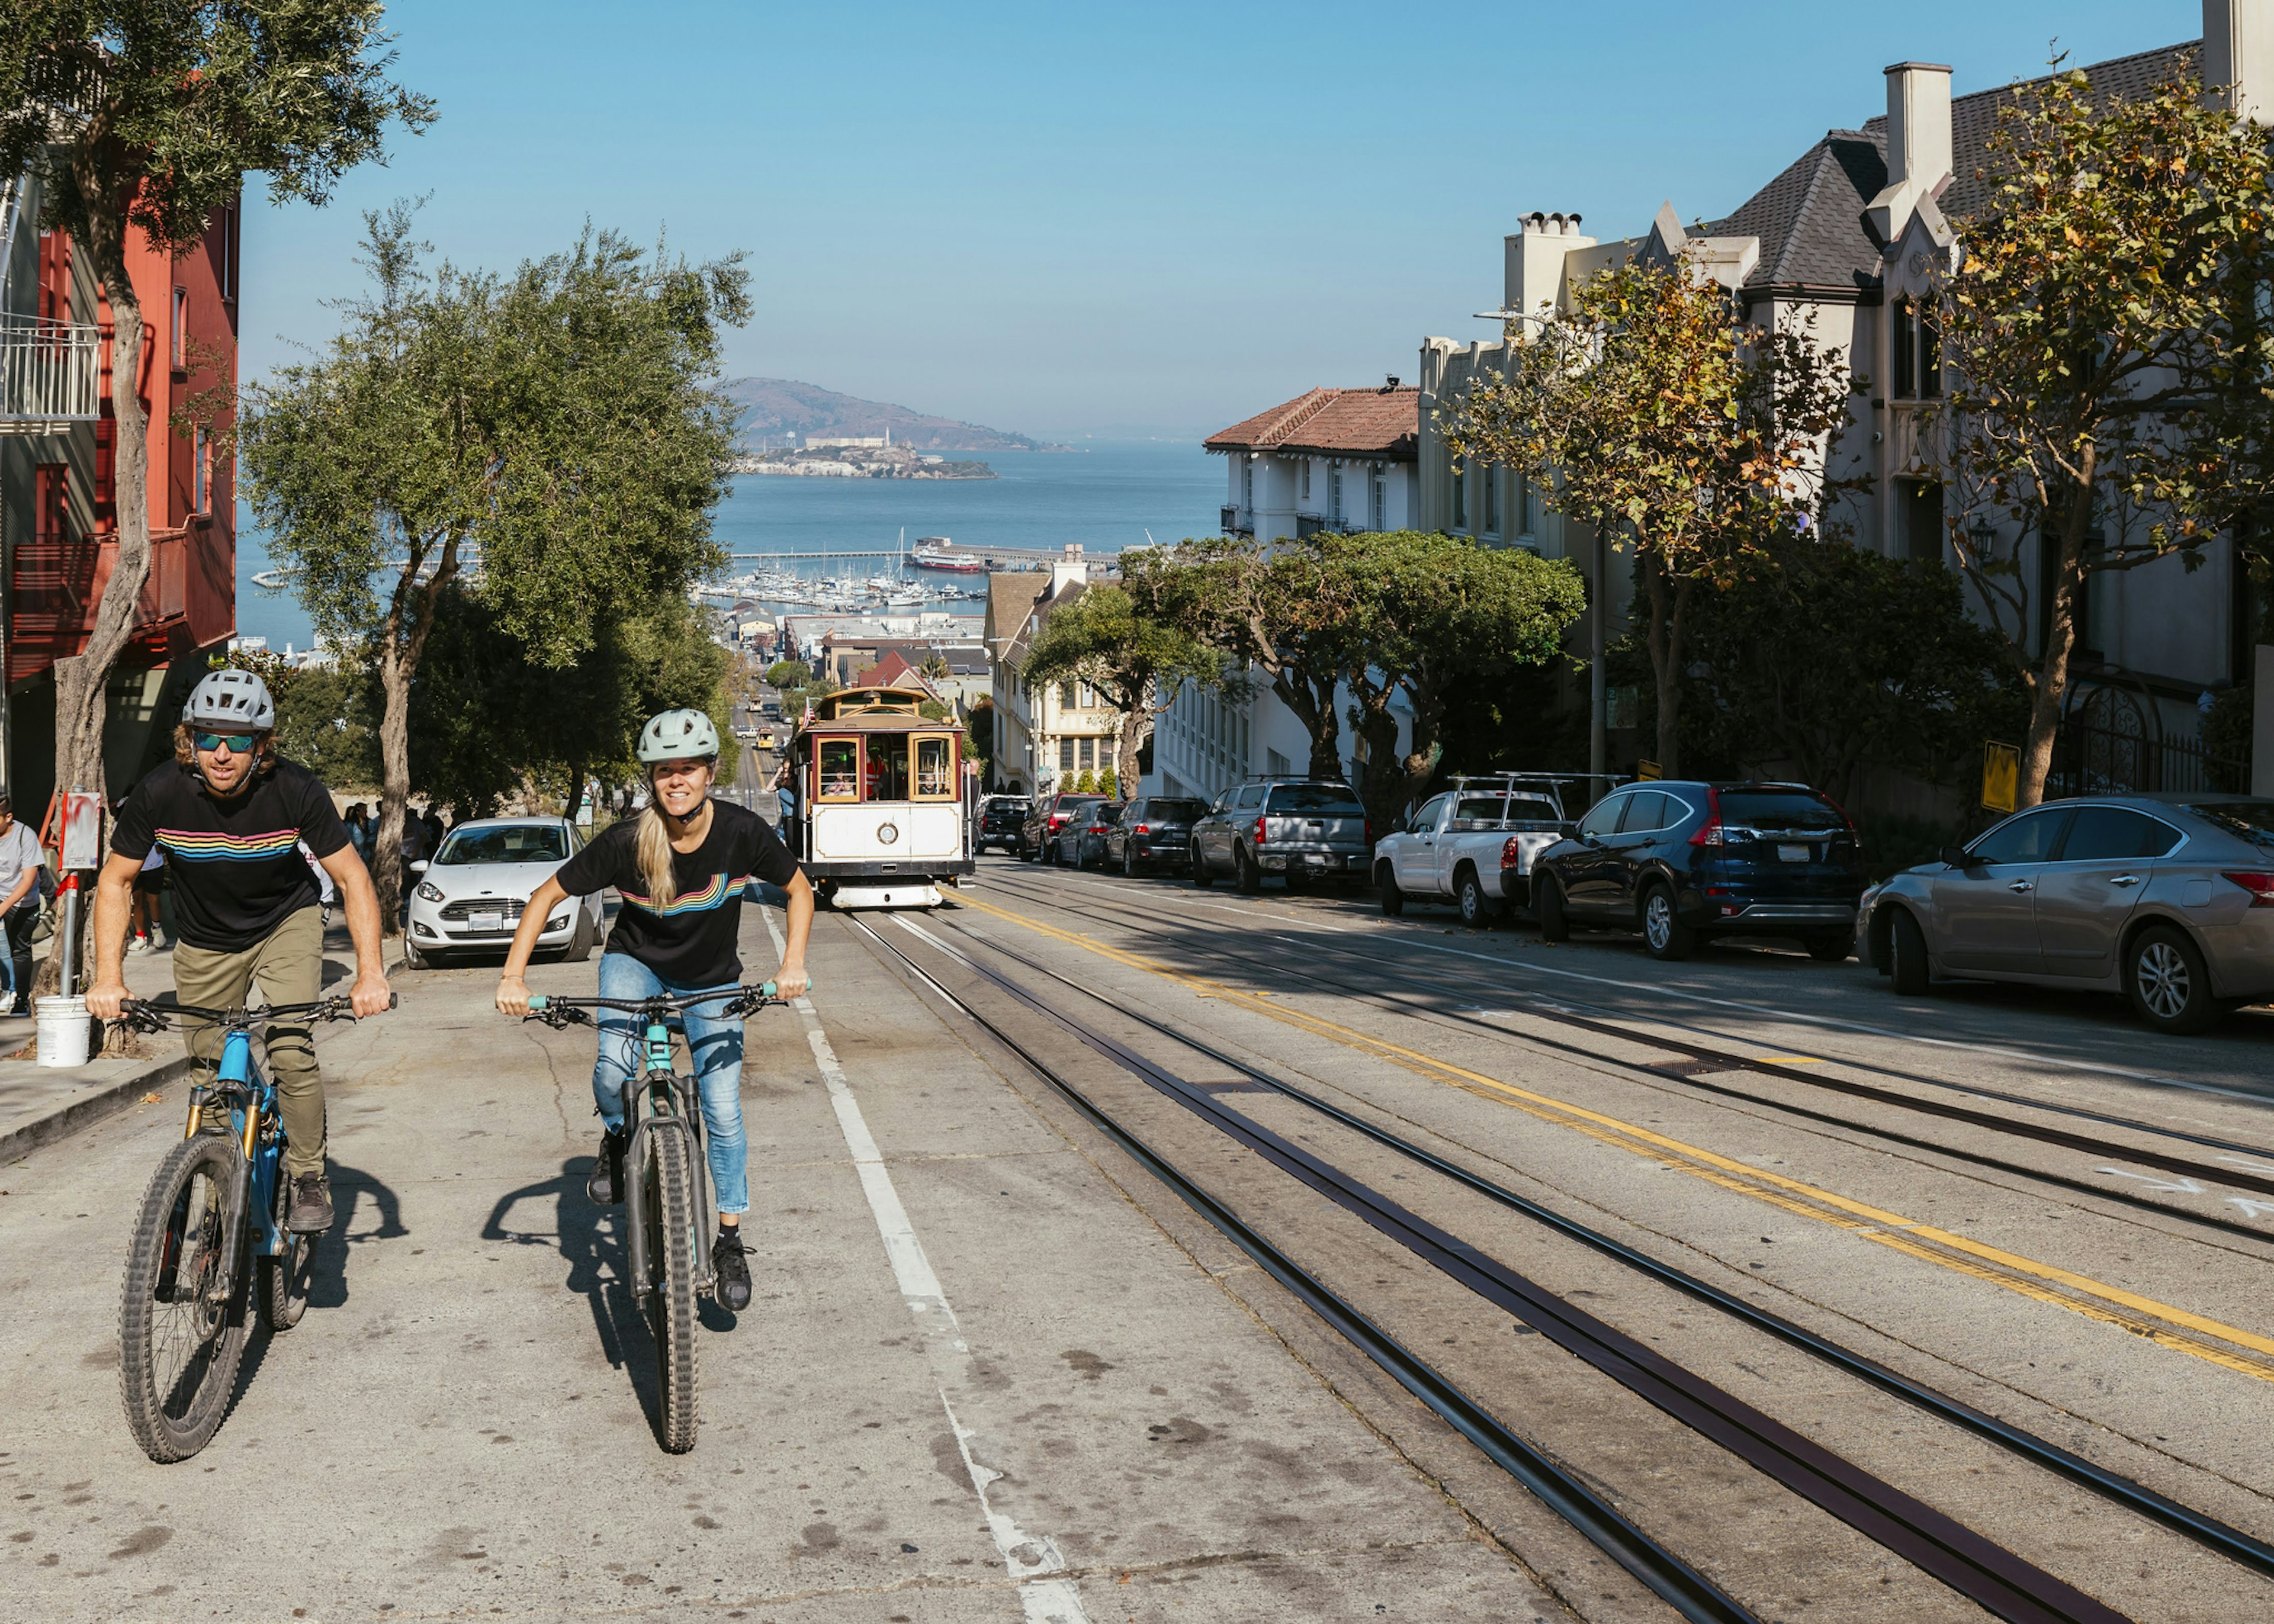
{"points": [[64, 1029]]}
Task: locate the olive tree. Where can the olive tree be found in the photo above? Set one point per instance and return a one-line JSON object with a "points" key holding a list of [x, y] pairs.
{"points": [[1136, 662]]}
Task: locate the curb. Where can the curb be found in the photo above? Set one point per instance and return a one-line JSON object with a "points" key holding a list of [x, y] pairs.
{"points": [[90, 1108]]}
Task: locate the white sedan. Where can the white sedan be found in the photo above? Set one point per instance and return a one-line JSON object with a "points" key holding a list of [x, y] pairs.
{"points": [[470, 897]]}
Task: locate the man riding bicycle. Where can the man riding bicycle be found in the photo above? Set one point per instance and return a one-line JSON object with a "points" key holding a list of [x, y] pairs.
{"points": [[231, 816], [681, 867]]}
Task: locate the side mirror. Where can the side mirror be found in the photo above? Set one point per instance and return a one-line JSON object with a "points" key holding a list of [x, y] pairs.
{"points": [[1957, 857], [419, 866]]}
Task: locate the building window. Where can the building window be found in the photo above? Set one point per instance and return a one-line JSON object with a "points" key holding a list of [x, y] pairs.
{"points": [[1378, 501], [1089, 754], [1523, 504], [1066, 756], [1492, 502], [1336, 478], [181, 335], [1460, 499], [1904, 343], [201, 473], [1306, 480], [1065, 696], [1247, 484]]}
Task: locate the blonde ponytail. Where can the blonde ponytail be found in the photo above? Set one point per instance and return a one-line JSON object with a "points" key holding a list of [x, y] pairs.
{"points": [[654, 847]]}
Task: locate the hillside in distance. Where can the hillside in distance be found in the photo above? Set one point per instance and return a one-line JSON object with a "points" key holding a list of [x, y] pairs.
{"points": [[774, 407]]}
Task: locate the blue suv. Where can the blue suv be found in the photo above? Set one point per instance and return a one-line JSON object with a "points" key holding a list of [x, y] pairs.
{"points": [[1684, 861]]}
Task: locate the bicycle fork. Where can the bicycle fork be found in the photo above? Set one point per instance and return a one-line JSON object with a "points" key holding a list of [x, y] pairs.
{"points": [[679, 1121]]}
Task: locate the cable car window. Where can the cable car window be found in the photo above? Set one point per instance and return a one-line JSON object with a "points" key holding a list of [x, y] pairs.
{"points": [[887, 771], [935, 767], [836, 764]]}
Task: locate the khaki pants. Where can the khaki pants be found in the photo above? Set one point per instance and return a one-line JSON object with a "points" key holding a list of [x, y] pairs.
{"points": [[288, 964]]}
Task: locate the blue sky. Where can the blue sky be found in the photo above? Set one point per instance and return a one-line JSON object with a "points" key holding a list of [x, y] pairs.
{"points": [[1118, 221]]}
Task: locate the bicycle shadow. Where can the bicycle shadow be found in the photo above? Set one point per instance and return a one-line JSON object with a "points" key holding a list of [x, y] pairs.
{"points": [[594, 1252], [328, 1275]]}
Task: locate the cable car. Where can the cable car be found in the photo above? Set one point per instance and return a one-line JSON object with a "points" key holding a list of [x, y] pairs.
{"points": [[872, 800]]}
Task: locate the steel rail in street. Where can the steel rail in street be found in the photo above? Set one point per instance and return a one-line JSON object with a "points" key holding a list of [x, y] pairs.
{"points": [[2198, 1526], [1704, 1058], [1996, 1579], [1564, 1491]]}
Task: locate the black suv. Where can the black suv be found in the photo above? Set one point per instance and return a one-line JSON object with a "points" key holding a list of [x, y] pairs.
{"points": [[1153, 831], [1000, 819], [1683, 861]]}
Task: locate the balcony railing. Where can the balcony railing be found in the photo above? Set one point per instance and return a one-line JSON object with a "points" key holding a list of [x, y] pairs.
{"points": [[51, 375], [1312, 524], [1238, 522]]}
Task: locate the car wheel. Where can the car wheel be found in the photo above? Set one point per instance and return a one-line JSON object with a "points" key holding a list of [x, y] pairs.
{"points": [[2168, 983], [1828, 949], [1664, 935], [1554, 924], [1476, 907], [580, 940], [1385, 881], [1907, 966], [412, 958], [1245, 874], [1128, 862], [1202, 877]]}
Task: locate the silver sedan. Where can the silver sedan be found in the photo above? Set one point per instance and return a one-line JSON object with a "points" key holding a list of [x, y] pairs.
{"points": [[2168, 900]]}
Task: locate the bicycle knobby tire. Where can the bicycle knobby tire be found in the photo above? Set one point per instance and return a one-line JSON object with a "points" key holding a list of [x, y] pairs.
{"points": [[670, 1224], [177, 1348]]}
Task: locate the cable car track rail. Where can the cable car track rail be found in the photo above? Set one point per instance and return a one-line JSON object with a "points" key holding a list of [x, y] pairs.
{"points": [[1993, 1577], [2198, 1526], [1705, 1057]]}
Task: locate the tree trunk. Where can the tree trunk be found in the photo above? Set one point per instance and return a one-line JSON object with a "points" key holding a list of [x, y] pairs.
{"points": [[2050, 692], [1136, 722], [1315, 709], [395, 784], [1668, 601], [576, 792], [83, 679]]}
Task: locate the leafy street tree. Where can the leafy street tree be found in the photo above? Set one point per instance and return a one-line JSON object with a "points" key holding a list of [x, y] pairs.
{"points": [[2111, 360], [148, 114], [559, 426], [788, 674], [979, 738], [1435, 613], [1838, 660], [1135, 662], [1648, 409], [1283, 611]]}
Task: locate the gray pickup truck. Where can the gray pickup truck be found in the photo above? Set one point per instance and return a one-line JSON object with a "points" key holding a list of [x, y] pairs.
{"points": [[1472, 847], [1300, 830]]}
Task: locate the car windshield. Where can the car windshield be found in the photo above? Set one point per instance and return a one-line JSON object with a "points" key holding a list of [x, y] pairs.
{"points": [[1331, 799], [2250, 820], [1105, 812], [513, 843], [1779, 811], [1175, 811]]}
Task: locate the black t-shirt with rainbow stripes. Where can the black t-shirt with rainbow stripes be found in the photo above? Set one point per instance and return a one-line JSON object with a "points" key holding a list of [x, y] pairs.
{"points": [[236, 865], [690, 941]]}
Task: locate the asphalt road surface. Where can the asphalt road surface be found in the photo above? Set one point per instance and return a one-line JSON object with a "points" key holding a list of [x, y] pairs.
{"points": [[995, 1369]]}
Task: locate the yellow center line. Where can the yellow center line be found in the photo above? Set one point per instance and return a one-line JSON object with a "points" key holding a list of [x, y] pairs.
{"points": [[1855, 1217]]}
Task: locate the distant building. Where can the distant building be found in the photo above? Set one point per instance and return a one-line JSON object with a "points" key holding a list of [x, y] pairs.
{"points": [[1328, 460], [1046, 733]]}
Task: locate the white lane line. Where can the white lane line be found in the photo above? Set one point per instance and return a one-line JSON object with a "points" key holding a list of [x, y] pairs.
{"points": [[1029, 1559]]}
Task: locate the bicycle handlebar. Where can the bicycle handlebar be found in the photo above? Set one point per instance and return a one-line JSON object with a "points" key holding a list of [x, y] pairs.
{"points": [[144, 1015], [556, 1010]]}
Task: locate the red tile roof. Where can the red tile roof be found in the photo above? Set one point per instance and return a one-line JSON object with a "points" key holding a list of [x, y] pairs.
{"points": [[1385, 423]]}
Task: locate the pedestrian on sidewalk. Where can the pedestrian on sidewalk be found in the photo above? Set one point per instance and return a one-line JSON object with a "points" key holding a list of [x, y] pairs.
{"points": [[19, 903]]}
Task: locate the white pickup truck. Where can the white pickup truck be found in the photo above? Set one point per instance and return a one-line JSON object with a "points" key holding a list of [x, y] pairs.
{"points": [[1473, 846]]}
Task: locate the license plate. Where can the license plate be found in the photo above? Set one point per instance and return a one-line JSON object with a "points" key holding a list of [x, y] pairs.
{"points": [[486, 921], [1795, 854]]}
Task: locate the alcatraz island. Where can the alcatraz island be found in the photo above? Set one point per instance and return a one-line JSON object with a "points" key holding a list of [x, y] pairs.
{"points": [[856, 457]]}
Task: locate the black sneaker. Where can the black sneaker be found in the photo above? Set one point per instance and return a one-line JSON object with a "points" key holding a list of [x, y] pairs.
{"points": [[733, 1265], [605, 1183], [311, 1211]]}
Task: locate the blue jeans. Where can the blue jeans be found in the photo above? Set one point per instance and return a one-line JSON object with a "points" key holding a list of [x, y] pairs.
{"points": [[717, 1046]]}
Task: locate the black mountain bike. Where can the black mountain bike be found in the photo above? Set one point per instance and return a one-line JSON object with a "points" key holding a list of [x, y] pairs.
{"points": [[668, 1198]]}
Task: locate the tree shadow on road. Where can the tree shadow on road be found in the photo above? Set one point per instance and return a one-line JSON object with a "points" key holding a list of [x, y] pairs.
{"points": [[596, 1268]]}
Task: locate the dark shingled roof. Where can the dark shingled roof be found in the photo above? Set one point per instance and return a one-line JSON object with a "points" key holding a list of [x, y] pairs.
{"points": [[1811, 219]]}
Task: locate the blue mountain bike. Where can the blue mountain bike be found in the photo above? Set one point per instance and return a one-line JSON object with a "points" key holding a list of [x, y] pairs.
{"points": [[215, 1209], [666, 1185]]}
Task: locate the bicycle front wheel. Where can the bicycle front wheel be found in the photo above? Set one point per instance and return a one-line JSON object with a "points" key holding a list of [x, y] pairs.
{"points": [[179, 1335], [669, 1216]]}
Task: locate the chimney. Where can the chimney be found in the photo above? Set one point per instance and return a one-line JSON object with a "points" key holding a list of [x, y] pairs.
{"points": [[2238, 54], [1533, 268], [1918, 143]]}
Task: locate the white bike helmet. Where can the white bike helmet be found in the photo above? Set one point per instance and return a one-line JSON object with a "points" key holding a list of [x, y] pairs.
{"points": [[231, 699], [678, 735]]}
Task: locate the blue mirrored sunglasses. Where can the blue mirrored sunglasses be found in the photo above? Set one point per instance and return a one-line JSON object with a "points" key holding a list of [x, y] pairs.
{"points": [[239, 744]]}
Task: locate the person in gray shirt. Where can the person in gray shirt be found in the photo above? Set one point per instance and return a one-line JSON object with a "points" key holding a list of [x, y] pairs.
{"points": [[19, 903]]}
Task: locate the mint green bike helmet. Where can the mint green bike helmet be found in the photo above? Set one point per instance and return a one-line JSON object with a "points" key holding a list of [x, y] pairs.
{"points": [[678, 735]]}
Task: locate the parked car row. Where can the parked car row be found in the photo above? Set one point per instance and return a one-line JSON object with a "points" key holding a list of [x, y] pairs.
{"points": [[2166, 900]]}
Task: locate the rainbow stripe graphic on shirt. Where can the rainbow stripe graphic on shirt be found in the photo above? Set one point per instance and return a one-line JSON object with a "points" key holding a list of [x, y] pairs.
{"points": [[198, 845], [717, 894]]}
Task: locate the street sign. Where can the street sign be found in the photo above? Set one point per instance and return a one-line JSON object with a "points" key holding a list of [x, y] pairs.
{"points": [[2001, 777], [82, 841], [1647, 769]]}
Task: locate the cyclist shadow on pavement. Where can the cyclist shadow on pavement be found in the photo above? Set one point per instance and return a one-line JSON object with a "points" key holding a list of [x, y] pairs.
{"points": [[327, 1273], [594, 1251]]}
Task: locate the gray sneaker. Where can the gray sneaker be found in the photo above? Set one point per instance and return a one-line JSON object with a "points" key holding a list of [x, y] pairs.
{"points": [[311, 1212]]}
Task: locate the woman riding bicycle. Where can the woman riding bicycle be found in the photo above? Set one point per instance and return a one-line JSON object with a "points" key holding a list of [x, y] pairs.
{"points": [[680, 868]]}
